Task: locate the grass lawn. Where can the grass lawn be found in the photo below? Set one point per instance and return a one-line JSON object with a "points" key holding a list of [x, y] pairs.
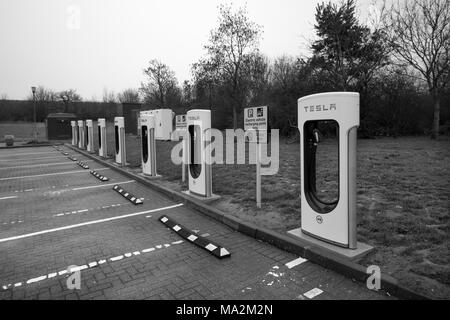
{"points": [[403, 200], [22, 131]]}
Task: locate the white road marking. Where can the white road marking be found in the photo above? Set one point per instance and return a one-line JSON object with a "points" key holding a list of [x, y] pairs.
{"points": [[295, 263], [102, 185], [83, 267], [116, 258], [27, 154], [6, 198], [33, 159], [42, 165], [313, 293], [89, 209], [28, 235], [50, 174]]}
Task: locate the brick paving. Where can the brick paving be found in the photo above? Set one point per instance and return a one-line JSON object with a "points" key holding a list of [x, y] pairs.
{"points": [[47, 203]]}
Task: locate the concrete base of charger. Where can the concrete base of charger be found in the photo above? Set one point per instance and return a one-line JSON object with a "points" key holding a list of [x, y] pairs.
{"points": [[150, 177], [356, 254], [203, 199]]}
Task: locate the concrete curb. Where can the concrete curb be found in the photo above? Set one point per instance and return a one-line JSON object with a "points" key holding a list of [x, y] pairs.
{"points": [[298, 247]]}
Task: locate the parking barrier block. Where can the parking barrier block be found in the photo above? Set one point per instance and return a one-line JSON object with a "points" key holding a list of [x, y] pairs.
{"points": [[99, 176], [215, 249], [133, 199], [83, 165]]}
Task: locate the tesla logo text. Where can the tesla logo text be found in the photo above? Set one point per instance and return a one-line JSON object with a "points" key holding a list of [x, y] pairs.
{"points": [[320, 108]]}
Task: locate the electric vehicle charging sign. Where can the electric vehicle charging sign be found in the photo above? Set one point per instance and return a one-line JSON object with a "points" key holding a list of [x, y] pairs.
{"points": [[256, 119], [181, 122]]}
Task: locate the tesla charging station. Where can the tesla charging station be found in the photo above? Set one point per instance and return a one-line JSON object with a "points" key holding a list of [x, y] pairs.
{"points": [[331, 223], [119, 137], [180, 134], [74, 133], [102, 144], [90, 136], [148, 144], [199, 167], [82, 133]]}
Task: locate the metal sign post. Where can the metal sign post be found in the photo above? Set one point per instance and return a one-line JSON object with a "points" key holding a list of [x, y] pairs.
{"points": [[256, 119]]}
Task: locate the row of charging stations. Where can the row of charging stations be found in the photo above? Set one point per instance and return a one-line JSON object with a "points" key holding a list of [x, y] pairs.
{"points": [[83, 137], [333, 222]]}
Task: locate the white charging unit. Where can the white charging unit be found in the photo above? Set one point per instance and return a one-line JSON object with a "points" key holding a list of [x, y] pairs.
{"points": [[74, 133], [148, 145], [90, 136], [102, 142], [81, 134], [163, 123], [332, 222], [119, 138], [199, 167]]}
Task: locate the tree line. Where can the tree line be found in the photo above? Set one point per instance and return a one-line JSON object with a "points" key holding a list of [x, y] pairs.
{"points": [[399, 63]]}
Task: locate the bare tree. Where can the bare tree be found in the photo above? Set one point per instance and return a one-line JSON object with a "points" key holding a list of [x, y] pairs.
{"points": [[71, 95], [231, 47], [109, 96], [4, 96], [420, 36], [129, 96], [44, 95], [162, 85]]}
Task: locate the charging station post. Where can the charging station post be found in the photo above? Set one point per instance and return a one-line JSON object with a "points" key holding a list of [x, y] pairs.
{"points": [[330, 224], [181, 131]]}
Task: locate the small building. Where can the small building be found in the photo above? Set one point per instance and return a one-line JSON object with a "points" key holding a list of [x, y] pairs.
{"points": [[58, 126]]}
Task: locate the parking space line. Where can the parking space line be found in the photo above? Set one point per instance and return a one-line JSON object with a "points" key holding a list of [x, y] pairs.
{"points": [[28, 235], [89, 265], [6, 198], [50, 174], [62, 214], [295, 263], [101, 185], [33, 159], [311, 294], [42, 165], [26, 154]]}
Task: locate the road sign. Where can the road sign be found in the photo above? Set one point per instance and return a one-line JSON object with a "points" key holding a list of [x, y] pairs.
{"points": [[181, 122], [257, 119]]}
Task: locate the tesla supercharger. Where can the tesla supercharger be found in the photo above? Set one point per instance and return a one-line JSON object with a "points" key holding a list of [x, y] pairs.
{"points": [[330, 221], [119, 138], [90, 136], [102, 143], [199, 162], [74, 133], [148, 145], [81, 134]]}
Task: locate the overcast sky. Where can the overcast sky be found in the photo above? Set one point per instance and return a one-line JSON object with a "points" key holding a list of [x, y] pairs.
{"points": [[95, 44]]}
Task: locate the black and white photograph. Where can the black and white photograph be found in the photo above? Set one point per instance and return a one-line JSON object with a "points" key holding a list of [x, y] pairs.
{"points": [[241, 157]]}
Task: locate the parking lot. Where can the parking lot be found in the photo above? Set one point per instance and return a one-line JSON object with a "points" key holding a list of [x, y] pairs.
{"points": [[55, 214]]}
